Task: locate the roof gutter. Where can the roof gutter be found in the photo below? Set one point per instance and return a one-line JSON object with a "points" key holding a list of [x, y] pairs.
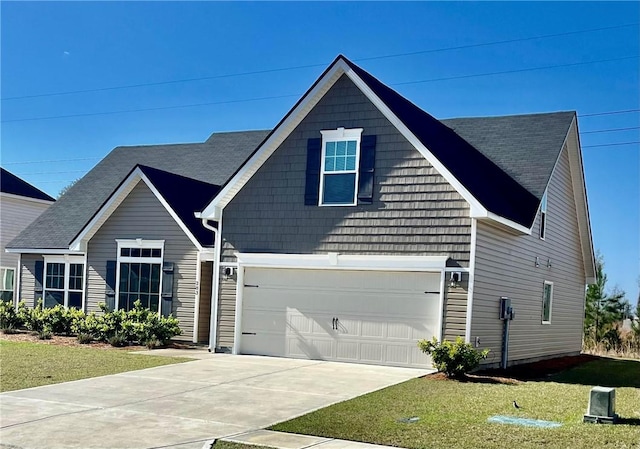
{"points": [[42, 251], [215, 281]]}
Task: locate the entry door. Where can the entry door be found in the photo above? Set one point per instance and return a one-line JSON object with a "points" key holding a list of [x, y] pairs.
{"points": [[372, 317]]}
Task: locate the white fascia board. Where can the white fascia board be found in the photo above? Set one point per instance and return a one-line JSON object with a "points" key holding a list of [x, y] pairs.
{"points": [[335, 261], [42, 251], [80, 242], [507, 224], [576, 168], [25, 198], [212, 211]]}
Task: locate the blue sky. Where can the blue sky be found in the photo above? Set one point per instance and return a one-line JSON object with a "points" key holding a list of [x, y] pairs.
{"points": [[54, 47]]}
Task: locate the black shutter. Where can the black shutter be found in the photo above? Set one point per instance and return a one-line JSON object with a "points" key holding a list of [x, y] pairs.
{"points": [[167, 288], [38, 274], [366, 169], [110, 291], [312, 184]]}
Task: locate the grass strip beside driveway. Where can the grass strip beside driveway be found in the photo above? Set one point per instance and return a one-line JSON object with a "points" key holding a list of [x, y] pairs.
{"points": [[25, 365], [454, 414]]}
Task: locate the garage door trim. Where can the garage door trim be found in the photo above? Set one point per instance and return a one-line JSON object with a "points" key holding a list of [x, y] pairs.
{"points": [[335, 261]]}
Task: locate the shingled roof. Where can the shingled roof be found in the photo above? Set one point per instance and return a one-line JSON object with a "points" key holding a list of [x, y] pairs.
{"points": [[505, 163], [497, 159], [210, 162], [10, 183]]}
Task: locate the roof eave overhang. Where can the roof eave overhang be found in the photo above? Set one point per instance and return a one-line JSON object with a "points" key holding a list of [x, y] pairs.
{"points": [[505, 224], [582, 204], [26, 198]]}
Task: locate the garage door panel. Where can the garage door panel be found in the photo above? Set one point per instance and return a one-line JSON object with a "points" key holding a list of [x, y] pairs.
{"points": [[381, 314], [310, 348]]}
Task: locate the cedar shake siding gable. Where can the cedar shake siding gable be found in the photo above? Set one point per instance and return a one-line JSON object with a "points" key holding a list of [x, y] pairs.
{"points": [[413, 211], [141, 215]]}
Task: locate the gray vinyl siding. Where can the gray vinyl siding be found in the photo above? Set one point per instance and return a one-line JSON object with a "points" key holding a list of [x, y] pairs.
{"points": [[505, 266], [28, 280], [17, 214], [204, 311], [415, 211], [141, 215], [226, 310]]}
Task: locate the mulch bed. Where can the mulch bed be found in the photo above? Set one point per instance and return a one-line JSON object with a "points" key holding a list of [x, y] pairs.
{"points": [[60, 340], [521, 373]]}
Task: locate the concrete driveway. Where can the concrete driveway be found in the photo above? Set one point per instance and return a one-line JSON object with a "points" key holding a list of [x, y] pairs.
{"points": [[184, 405]]}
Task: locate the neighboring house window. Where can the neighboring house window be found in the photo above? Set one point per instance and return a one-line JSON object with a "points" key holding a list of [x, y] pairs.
{"points": [[547, 300], [139, 273], [339, 167], [7, 277], [543, 216], [63, 281]]}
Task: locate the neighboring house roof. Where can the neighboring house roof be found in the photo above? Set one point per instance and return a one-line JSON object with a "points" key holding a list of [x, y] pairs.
{"points": [[211, 162], [10, 183]]}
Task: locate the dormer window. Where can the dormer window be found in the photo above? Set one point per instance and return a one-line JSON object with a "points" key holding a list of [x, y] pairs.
{"points": [[339, 169], [543, 216]]}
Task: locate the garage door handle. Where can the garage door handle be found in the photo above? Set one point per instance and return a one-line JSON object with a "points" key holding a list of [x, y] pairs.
{"points": [[250, 285], [429, 293], [334, 326]]}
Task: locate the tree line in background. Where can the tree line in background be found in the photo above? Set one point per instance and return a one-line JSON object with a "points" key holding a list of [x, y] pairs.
{"points": [[605, 315]]}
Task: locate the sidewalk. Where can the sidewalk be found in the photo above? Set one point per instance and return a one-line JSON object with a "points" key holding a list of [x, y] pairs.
{"points": [[282, 440]]}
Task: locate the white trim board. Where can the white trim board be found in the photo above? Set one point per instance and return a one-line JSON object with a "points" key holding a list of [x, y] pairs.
{"points": [[335, 261]]}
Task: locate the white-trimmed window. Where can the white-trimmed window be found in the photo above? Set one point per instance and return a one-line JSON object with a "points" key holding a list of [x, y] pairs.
{"points": [[139, 273], [7, 282], [547, 301], [339, 167], [543, 216], [63, 281]]}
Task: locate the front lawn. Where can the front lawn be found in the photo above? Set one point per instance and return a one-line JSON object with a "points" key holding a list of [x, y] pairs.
{"points": [[25, 365], [454, 414]]}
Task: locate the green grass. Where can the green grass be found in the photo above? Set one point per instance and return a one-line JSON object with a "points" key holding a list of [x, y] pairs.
{"points": [[454, 414], [25, 365]]}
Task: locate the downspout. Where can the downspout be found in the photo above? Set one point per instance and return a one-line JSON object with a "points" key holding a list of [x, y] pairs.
{"points": [[213, 320]]}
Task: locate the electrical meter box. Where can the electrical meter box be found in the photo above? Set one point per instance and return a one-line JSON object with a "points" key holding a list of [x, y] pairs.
{"points": [[506, 311]]}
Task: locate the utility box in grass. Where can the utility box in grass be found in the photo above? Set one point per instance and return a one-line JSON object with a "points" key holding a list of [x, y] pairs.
{"points": [[602, 406]]}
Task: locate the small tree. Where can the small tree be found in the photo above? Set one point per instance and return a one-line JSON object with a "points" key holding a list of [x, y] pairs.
{"points": [[602, 311]]}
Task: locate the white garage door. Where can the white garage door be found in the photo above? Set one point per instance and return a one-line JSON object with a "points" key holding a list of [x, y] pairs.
{"points": [[353, 316]]}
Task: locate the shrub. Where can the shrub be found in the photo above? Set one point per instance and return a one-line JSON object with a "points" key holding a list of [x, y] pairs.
{"points": [[34, 319], [453, 359], [45, 333], [10, 320], [84, 339], [117, 340]]}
